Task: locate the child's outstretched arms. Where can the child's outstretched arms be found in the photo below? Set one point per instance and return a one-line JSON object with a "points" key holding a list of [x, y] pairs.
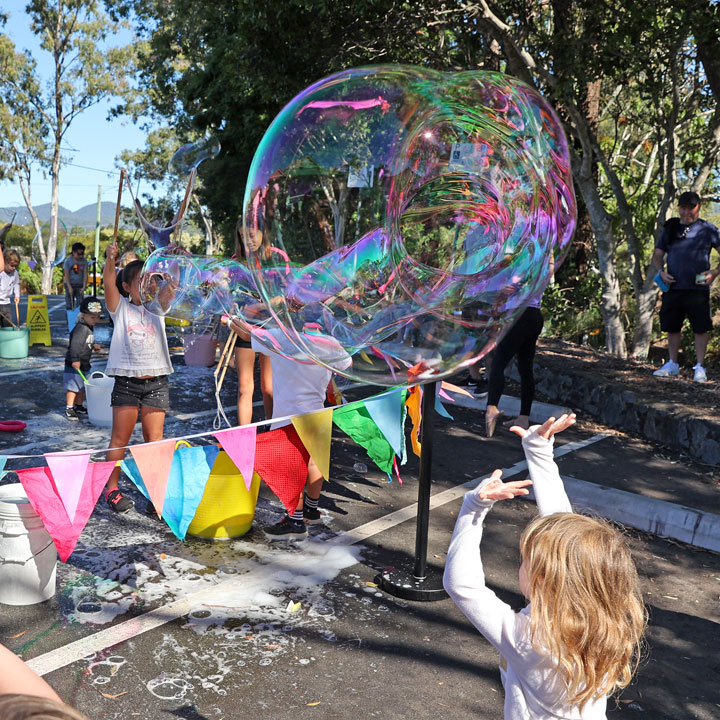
{"points": [[464, 579], [538, 446]]}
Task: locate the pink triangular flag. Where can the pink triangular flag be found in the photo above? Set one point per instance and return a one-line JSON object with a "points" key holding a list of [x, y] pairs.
{"points": [[154, 461], [40, 489], [239, 444], [68, 473], [456, 388]]}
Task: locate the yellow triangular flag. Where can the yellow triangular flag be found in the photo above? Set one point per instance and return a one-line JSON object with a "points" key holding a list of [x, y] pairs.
{"points": [[315, 431]]}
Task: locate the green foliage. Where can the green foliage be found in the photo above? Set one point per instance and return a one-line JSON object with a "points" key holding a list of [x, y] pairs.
{"points": [[642, 79], [573, 312]]}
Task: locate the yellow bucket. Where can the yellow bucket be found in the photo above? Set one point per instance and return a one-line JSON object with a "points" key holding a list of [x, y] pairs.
{"points": [[176, 322], [227, 508]]}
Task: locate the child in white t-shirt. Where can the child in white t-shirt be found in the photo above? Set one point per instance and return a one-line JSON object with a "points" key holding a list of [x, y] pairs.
{"points": [[299, 386], [139, 360]]}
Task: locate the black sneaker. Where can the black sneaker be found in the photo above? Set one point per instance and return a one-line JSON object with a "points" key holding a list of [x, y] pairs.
{"points": [[287, 529], [71, 414], [312, 516], [80, 410], [118, 502]]}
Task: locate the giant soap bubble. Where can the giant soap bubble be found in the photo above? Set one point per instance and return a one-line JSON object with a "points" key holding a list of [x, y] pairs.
{"points": [[408, 214]]}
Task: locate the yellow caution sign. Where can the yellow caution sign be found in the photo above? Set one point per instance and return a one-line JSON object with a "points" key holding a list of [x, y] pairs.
{"points": [[38, 320]]}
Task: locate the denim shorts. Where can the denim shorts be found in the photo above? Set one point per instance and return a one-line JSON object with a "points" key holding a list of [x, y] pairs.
{"points": [[151, 392], [72, 381]]}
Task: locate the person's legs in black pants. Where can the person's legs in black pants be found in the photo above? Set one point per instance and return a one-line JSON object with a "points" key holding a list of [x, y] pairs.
{"points": [[520, 340], [502, 355], [533, 324]]}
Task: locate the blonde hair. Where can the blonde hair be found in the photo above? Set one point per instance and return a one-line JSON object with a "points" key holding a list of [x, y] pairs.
{"points": [[586, 605], [30, 707]]}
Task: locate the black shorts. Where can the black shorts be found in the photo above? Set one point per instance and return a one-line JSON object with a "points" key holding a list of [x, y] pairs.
{"points": [[679, 304], [241, 344], [151, 392]]}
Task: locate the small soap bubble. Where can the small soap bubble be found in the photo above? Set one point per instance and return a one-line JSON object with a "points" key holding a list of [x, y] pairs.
{"points": [[187, 157]]}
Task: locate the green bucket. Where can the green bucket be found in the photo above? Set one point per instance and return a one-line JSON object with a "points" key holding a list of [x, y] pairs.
{"points": [[14, 343]]}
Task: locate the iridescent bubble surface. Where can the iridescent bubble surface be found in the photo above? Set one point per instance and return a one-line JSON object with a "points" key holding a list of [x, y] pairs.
{"points": [[187, 157], [407, 214]]}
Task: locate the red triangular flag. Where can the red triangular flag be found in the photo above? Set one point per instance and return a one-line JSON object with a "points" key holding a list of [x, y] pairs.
{"points": [[68, 472], [154, 461], [239, 444], [43, 497], [281, 460]]}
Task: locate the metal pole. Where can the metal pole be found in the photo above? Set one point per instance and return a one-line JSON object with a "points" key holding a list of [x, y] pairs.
{"points": [[425, 583], [424, 479], [97, 238]]}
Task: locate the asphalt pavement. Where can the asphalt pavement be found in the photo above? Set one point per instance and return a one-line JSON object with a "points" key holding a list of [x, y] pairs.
{"points": [[144, 625]]}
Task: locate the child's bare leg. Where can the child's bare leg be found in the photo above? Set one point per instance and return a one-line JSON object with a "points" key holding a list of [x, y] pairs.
{"points": [[245, 366], [124, 419], [266, 385], [79, 397], [153, 423], [70, 398], [313, 488]]}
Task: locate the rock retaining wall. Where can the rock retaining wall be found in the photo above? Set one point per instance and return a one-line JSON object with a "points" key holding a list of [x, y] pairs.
{"points": [[617, 407]]}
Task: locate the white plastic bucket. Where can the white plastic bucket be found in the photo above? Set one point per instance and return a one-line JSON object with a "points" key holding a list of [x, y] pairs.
{"points": [[28, 557], [98, 389]]}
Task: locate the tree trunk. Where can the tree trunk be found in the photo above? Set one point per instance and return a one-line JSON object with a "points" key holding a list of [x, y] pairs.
{"points": [[645, 302], [601, 222]]}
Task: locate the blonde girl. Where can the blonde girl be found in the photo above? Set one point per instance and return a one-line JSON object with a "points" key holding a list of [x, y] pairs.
{"points": [[578, 639]]}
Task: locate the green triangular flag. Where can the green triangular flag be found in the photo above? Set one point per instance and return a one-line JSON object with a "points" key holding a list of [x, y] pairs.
{"points": [[355, 421]]}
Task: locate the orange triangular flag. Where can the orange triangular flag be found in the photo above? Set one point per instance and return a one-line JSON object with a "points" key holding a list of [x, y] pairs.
{"points": [[413, 406], [153, 462], [315, 431]]}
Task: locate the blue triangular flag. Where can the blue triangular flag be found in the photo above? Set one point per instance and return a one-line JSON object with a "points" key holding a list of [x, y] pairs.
{"points": [[386, 412], [439, 407], [188, 476], [3, 460]]}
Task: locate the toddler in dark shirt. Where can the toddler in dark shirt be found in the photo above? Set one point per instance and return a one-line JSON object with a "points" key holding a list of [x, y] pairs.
{"points": [[81, 346]]}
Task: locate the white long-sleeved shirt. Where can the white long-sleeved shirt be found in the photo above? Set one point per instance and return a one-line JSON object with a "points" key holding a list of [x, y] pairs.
{"points": [[532, 689], [9, 286]]}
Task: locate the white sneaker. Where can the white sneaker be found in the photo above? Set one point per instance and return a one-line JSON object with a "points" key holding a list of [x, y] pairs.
{"points": [[700, 375], [670, 368]]}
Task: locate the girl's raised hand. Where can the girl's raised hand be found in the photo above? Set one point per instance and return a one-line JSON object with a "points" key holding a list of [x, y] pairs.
{"points": [[496, 489], [549, 428]]}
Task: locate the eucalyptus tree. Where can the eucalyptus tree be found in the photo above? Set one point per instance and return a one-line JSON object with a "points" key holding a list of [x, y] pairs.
{"points": [[83, 73], [612, 56], [22, 130], [635, 83]]}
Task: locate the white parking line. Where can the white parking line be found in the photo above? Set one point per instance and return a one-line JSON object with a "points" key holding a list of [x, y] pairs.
{"points": [[99, 641]]}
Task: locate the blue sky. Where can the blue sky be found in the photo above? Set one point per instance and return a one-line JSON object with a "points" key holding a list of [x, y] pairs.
{"points": [[92, 142]]}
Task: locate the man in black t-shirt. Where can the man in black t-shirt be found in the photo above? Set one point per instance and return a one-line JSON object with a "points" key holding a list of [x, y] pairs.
{"points": [[686, 243]]}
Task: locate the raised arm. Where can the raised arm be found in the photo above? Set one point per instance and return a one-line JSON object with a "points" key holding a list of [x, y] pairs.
{"points": [[538, 446], [112, 294], [464, 579]]}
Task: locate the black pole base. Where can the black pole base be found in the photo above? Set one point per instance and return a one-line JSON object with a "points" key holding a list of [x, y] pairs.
{"points": [[405, 585]]}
